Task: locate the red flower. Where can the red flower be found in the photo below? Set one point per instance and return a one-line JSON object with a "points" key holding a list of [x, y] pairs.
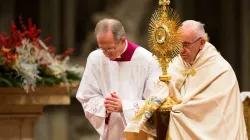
{"points": [[51, 49], [47, 39], [45, 63], [30, 32], [19, 43], [12, 57], [9, 56], [67, 52]]}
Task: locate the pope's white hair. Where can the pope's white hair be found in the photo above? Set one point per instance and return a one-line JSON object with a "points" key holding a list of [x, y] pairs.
{"points": [[196, 27]]}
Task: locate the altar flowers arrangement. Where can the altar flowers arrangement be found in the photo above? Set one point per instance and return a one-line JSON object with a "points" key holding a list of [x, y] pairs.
{"points": [[26, 61]]}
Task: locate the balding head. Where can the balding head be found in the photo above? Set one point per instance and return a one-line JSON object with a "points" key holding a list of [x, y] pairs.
{"points": [[110, 37], [110, 25]]}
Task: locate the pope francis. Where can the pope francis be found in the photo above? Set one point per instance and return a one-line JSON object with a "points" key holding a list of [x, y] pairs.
{"points": [[203, 97]]}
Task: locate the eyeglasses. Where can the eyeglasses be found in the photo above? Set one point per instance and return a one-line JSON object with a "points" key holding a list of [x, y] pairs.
{"points": [[111, 49], [188, 45], [108, 49]]}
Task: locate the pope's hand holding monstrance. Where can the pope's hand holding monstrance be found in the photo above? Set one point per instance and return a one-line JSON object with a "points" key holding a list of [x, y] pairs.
{"points": [[164, 43]]}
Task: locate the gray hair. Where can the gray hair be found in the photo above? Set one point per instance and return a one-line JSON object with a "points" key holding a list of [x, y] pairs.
{"points": [[197, 28], [105, 25]]}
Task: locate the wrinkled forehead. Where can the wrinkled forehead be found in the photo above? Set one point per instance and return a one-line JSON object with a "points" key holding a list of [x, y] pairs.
{"points": [[187, 33], [105, 37]]}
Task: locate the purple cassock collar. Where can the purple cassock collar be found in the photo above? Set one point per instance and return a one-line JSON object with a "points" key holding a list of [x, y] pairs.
{"points": [[128, 53]]}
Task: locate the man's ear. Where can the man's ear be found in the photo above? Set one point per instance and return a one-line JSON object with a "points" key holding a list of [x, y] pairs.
{"points": [[124, 38], [203, 41]]}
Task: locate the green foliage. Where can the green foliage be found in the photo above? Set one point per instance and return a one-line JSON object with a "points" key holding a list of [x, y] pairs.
{"points": [[73, 76], [5, 83], [9, 78], [49, 81]]}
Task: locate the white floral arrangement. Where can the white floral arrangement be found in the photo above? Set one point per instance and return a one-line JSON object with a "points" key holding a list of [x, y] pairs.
{"points": [[26, 61]]}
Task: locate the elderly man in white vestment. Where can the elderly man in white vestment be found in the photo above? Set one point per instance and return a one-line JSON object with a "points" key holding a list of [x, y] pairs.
{"points": [[206, 94], [118, 76]]}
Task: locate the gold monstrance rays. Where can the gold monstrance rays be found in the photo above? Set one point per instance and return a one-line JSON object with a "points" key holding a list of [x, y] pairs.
{"points": [[164, 36]]}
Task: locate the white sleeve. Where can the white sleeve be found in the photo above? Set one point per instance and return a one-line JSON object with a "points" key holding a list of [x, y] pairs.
{"points": [[89, 95], [131, 107]]}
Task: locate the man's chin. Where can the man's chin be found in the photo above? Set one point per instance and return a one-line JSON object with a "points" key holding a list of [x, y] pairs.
{"points": [[111, 58], [184, 58]]}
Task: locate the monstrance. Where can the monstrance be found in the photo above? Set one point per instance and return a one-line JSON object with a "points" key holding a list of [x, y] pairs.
{"points": [[164, 36]]}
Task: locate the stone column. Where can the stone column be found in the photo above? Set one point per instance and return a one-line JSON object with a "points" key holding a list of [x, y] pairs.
{"points": [[50, 21], [245, 45], [69, 23], [6, 15], [58, 124], [41, 129]]}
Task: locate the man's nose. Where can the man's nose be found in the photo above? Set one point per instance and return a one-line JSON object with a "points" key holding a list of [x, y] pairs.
{"points": [[182, 49], [105, 52]]}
